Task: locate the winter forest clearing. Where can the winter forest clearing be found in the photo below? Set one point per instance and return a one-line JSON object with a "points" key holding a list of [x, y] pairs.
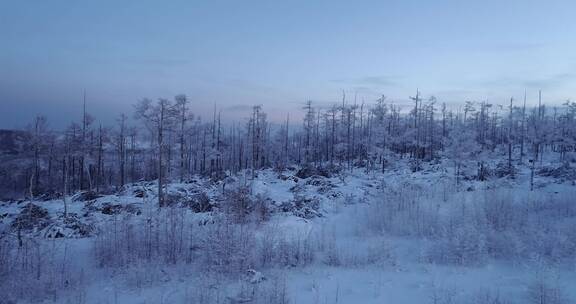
{"points": [[356, 203], [288, 152]]}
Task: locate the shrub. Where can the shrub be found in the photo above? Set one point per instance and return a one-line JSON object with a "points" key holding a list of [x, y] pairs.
{"points": [[31, 218], [541, 291]]}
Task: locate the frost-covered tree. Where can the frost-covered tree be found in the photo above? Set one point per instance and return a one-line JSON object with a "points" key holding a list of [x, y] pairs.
{"points": [[158, 118]]}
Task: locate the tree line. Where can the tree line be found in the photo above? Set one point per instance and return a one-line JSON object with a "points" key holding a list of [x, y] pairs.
{"points": [[165, 142]]}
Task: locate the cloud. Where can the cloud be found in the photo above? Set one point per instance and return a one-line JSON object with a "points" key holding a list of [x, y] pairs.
{"points": [[238, 107], [381, 81], [454, 92], [366, 90], [549, 82], [553, 81], [236, 83]]}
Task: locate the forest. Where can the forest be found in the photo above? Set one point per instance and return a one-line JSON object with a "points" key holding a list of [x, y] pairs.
{"points": [[350, 203], [165, 141]]}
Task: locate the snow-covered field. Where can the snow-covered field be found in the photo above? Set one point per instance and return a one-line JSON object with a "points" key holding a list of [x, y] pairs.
{"points": [[351, 237]]}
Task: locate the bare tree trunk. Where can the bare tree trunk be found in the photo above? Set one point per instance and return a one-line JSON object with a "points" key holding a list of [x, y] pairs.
{"points": [[99, 169], [286, 140], [522, 132], [160, 152], [121, 145], [65, 193], [510, 137]]}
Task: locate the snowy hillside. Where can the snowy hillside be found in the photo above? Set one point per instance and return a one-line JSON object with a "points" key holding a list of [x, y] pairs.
{"points": [[299, 236]]}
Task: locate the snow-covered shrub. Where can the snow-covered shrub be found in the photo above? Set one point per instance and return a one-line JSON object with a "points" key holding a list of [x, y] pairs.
{"points": [[350, 199], [86, 196], [504, 245], [548, 243], [263, 208], [484, 171], [273, 291], [175, 198], [304, 207], [164, 238], [243, 207], [324, 185], [403, 212], [488, 297], [564, 172], [499, 211], [6, 247], [276, 247], [239, 204], [203, 291], [70, 226], [467, 229], [443, 295], [111, 208], [118, 242], [557, 206], [504, 170], [34, 271], [228, 248], [172, 241], [48, 195], [415, 165], [332, 252], [199, 202], [266, 291], [542, 291], [309, 171], [32, 218], [293, 250], [218, 176], [462, 245], [378, 254], [145, 275], [130, 240], [267, 244], [287, 177]]}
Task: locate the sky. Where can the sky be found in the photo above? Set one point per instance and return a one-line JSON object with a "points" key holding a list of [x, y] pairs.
{"points": [[235, 54]]}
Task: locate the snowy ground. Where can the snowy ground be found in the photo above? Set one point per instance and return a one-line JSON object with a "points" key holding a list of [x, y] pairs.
{"points": [[353, 248]]}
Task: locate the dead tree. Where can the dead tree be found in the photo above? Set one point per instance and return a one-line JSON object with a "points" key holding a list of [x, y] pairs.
{"points": [[157, 118]]}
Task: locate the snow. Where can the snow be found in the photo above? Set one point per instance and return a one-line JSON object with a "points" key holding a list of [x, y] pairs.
{"points": [[357, 264]]}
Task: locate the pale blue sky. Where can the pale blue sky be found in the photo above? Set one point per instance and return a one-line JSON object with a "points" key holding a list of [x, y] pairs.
{"points": [[277, 53]]}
